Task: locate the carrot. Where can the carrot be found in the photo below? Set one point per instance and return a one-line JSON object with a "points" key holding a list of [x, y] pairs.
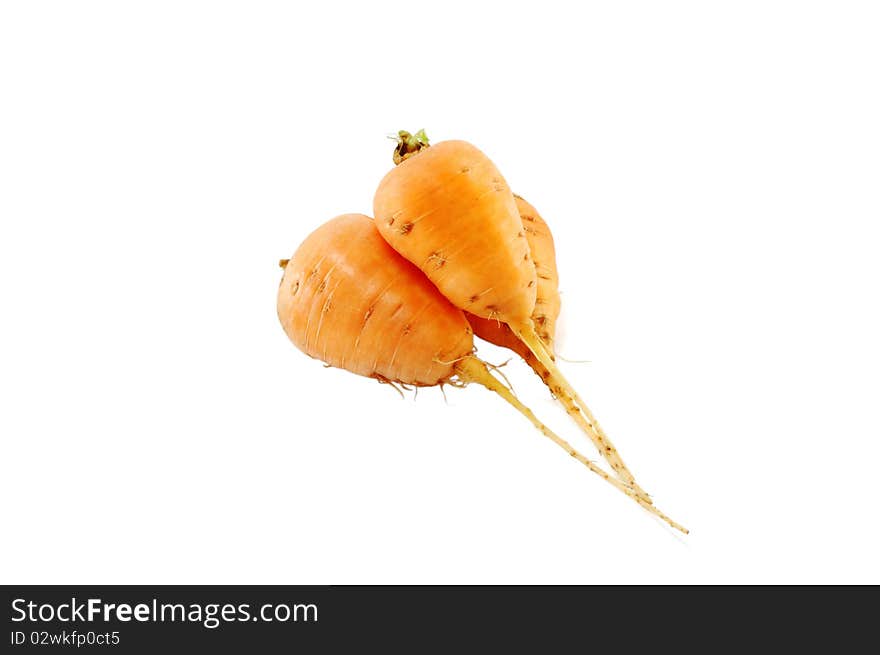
{"points": [[547, 306], [348, 299], [547, 299], [448, 210]]}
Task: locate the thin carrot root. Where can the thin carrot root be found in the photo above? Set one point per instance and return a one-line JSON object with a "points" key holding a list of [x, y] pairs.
{"points": [[571, 361], [577, 409], [392, 384], [587, 422], [660, 515], [471, 369], [497, 369]]}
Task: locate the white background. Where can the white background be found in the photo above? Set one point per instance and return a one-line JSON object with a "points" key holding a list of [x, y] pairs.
{"points": [[710, 171]]}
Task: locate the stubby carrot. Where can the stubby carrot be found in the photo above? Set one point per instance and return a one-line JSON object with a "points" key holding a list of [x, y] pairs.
{"points": [[448, 210]]}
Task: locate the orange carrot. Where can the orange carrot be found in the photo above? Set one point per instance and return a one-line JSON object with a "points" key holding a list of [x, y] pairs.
{"points": [[448, 210], [348, 299], [547, 300]]}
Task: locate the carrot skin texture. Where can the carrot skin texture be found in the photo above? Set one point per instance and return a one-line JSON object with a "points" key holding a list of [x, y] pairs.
{"points": [[543, 251], [449, 211], [547, 300], [348, 299]]}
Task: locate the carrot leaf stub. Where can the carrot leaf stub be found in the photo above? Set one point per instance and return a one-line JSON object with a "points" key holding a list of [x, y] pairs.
{"points": [[409, 144]]}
